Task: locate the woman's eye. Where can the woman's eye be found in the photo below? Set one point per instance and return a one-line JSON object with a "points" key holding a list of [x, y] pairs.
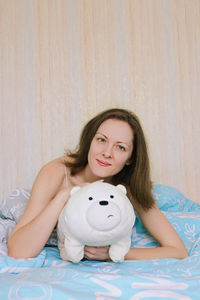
{"points": [[101, 140], [122, 148]]}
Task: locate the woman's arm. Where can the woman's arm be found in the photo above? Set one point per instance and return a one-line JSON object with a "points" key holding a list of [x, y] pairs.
{"points": [[171, 246], [41, 215]]}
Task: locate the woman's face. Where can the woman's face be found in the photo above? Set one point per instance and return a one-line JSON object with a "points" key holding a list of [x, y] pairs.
{"points": [[110, 149]]}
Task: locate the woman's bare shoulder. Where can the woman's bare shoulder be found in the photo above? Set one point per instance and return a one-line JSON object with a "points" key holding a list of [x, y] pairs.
{"points": [[53, 170], [57, 163]]}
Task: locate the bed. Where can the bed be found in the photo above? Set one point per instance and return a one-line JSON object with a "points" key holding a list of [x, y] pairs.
{"points": [[48, 277]]}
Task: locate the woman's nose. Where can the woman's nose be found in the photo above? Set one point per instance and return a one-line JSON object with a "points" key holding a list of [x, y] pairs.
{"points": [[107, 151]]}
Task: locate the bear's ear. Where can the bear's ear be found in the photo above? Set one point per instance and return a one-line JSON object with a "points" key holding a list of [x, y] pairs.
{"points": [[122, 188], [74, 189]]}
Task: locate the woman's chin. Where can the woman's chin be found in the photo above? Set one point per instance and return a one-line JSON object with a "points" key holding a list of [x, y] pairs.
{"points": [[102, 174]]}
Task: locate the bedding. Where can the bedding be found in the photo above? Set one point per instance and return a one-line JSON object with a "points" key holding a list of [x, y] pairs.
{"points": [[48, 277]]}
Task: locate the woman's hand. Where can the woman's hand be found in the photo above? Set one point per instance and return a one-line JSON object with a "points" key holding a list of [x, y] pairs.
{"points": [[97, 253]]}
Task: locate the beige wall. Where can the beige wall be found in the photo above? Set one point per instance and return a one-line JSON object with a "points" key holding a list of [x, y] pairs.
{"points": [[62, 61]]}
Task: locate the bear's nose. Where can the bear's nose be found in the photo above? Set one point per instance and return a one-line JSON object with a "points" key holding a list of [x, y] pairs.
{"points": [[103, 202]]}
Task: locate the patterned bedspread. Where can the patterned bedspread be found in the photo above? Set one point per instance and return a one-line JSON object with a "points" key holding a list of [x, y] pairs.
{"points": [[48, 277]]}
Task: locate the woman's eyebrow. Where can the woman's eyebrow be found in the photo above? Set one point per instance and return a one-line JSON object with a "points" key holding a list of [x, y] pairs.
{"points": [[120, 142], [127, 144], [102, 134]]}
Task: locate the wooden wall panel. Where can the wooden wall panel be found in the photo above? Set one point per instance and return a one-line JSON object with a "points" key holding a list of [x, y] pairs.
{"points": [[63, 61]]}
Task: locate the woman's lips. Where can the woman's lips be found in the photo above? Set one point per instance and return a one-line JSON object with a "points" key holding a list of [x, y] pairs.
{"points": [[103, 163]]}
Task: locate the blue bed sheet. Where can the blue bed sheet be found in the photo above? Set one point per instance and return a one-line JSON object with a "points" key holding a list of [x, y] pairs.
{"points": [[48, 277]]}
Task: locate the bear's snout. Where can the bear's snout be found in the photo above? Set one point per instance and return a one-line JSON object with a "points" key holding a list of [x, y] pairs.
{"points": [[103, 215], [103, 202]]}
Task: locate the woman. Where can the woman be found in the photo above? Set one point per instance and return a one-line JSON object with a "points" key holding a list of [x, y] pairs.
{"points": [[112, 147]]}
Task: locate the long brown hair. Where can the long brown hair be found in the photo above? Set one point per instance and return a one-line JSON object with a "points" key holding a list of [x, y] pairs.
{"points": [[136, 175]]}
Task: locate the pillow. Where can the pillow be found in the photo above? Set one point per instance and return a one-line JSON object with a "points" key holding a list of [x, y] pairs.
{"points": [[186, 225], [181, 212], [170, 199], [12, 207]]}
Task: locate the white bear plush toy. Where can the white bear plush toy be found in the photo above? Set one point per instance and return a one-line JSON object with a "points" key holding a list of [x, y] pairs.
{"points": [[98, 214]]}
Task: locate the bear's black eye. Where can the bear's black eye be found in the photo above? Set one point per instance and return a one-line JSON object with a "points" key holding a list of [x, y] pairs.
{"points": [[111, 196], [90, 198]]}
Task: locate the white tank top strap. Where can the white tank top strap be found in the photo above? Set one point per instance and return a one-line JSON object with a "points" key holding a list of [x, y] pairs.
{"points": [[66, 176]]}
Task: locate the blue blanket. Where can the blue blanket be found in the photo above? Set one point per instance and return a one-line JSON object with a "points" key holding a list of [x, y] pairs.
{"points": [[48, 277]]}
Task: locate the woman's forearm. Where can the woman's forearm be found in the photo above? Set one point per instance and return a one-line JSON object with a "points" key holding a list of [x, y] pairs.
{"points": [[30, 239], [156, 253]]}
